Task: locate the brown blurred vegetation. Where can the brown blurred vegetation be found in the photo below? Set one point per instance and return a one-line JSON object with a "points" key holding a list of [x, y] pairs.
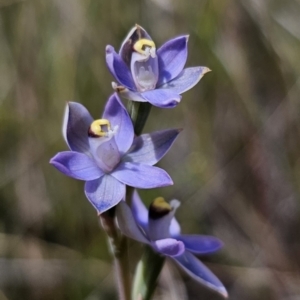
{"points": [[236, 165]]}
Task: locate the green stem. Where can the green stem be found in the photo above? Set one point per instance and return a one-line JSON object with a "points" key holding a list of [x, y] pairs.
{"points": [[118, 245], [150, 265], [122, 269], [139, 112], [146, 274]]}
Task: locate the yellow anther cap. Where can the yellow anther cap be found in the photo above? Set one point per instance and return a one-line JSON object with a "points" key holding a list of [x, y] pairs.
{"points": [[159, 208], [99, 128], [141, 45]]}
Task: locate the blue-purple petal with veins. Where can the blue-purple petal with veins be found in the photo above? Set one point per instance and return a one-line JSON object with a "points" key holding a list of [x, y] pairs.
{"points": [[172, 57], [128, 225], [162, 98], [105, 192], [118, 68], [200, 244], [77, 121], [141, 176], [186, 80], [116, 113], [139, 211], [197, 270], [150, 148], [76, 165]]}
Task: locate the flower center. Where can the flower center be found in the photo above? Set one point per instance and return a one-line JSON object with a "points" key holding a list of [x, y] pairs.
{"points": [[159, 208], [100, 128], [145, 47], [103, 145], [144, 65]]}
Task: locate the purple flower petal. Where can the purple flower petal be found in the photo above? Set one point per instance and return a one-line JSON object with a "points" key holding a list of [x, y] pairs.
{"points": [[169, 247], [105, 192], [141, 176], [163, 98], [187, 79], [150, 148], [127, 94], [116, 113], [139, 211], [76, 165], [174, 229], [105, 152], [127, 223], [118, 68], [77, 121], [200, 244], [171, 58], [197, 270]]}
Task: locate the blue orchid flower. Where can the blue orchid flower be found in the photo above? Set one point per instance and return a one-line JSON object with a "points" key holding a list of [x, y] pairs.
{"points": [[147, 75], [159, 229], [106, 155]]}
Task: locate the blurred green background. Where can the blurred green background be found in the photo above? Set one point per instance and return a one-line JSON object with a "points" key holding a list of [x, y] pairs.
{"points": [[236, 164]]}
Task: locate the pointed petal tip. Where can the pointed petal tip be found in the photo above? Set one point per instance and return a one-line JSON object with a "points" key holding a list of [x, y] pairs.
{"points": [[206, 70], [53, 160], [100, 212], [184, 36], [69, 104], [100, 209], [223, 292], [168, 182], [109, 49], [55, 164], [177, 130], [220, 290]]}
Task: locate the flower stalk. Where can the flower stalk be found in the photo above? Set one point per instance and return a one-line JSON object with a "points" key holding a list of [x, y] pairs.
{"points": [[150, 264], [139, 112], [121, 261], [118, 246], [146, 274]]}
